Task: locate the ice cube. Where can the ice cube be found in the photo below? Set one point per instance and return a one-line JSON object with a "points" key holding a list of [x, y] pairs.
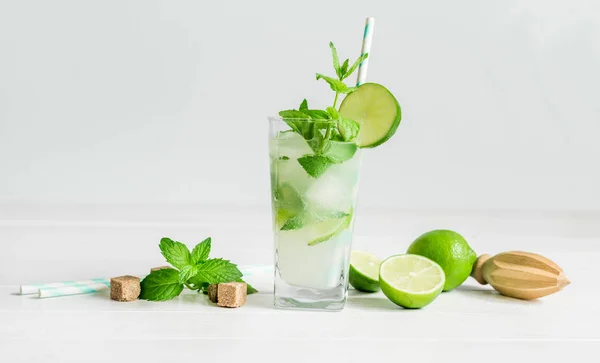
{"points": [[289, 144], [330, 192]]}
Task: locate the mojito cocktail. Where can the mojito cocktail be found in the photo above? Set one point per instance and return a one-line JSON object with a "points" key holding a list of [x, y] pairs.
{"points": [[315, 158], [312, 219]]}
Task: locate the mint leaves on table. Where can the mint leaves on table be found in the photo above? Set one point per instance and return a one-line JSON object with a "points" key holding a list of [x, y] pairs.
{"points": [[201, 251], [176, 253], [215, 271], [194, 270], [322, 129], [161, 285]]}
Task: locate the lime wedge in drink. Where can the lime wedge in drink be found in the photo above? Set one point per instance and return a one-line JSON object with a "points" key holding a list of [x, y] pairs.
{"points": [[315, 231], [364, 271], [377, 111], [411, 281], [322, 231]]}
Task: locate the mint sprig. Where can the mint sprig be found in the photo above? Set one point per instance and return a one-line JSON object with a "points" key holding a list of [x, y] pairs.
{"points": [[193, 270], [343, 72], [323, 128]]}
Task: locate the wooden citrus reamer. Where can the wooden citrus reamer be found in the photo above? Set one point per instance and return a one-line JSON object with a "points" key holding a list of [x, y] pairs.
{"points": [[521, 275]]}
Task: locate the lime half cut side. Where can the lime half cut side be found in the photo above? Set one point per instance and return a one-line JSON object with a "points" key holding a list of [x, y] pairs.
{"points": [[411, 281], [377, 111], [364, 271]]}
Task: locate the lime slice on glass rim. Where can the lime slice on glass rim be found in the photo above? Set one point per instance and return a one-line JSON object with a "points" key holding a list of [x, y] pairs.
{"points": [[411, 281], [364, 271], [377, 111]]}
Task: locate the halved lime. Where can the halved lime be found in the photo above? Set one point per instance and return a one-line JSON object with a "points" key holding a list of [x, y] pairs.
{"points": [[411, 281], [377, 111], [364, 271]]}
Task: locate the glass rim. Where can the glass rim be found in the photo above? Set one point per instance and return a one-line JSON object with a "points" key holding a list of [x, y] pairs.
{"points": [[304, 119]]}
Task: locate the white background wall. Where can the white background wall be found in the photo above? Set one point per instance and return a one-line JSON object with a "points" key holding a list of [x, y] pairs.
{"points": [[166, 101]]}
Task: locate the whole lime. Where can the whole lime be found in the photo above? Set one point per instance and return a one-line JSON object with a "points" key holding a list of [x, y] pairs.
{"points": [[450, 250]]}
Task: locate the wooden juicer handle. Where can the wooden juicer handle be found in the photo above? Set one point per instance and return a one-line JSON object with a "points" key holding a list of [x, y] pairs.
{"points": [[521, 275]]}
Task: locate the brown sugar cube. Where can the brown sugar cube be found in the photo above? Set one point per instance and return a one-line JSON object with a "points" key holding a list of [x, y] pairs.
{"points": [[231, 294], [159, 268], [212, 292], [125, 288]]}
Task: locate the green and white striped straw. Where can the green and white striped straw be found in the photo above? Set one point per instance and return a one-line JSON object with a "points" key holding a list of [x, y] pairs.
{"points": [[33, 289], [366, 48], [67, 288], [249, 270], [87, 288]]}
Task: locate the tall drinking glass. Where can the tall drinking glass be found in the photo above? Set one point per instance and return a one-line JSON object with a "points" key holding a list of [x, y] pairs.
{"points": [[314, 185]]}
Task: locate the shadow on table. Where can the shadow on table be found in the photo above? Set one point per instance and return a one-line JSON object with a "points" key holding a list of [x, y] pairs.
{"points": [[356, 299], [489, 294], [261, 300], [375, 301]]}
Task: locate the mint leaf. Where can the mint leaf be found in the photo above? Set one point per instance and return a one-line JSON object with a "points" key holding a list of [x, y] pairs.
{"points": [[339, 152], [304, 113], [348, 128], [355, 65], [287, 198], [249, 288], [349, 90], [161, 285], [315, 165], [303, 105], [186, 272], [201, 251], [335, 135], [292, 114], [297, 121], [336, 60], [293, 223], [216, 271], [318, 143], [335, 84], [317, 114], [284, 158], [333, 113], [344, 68], [176, 253]]}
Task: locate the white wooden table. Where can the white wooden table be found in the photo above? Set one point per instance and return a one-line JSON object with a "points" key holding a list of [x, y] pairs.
{"points": [[472, 322]]}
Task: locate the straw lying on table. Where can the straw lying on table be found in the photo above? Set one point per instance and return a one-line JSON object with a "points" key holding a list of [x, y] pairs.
{"points": [[67, 288], [33, 289], [73, 289], [250, 270]]}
